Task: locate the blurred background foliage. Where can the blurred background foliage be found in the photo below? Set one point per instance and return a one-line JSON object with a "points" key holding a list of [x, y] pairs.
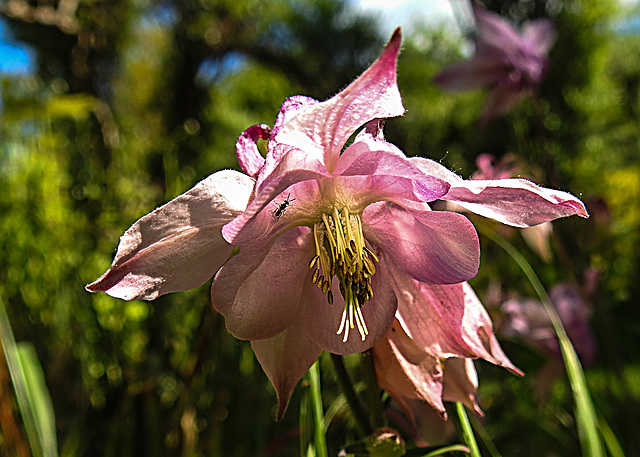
{"points": [[132, 102]]}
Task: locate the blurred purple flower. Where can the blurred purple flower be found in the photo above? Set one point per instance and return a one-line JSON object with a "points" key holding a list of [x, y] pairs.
{"points": [[529, 320], [511, 64]]}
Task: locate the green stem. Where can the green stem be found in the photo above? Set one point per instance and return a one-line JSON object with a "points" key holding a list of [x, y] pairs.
{"points": [[374, 393], [585, 411], [467, 432], [319, 436], [364, 426]]}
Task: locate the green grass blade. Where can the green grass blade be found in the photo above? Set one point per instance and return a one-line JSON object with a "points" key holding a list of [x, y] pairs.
{"points": [[613, 446], [467, 431], [315, 396], [32, 394], [590, 440]]}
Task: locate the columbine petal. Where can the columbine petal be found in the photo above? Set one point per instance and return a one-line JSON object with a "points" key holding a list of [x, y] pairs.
{"points": [[285, 358], [470, 74], [257, 225], [322, 319], [433, 246], [447, 321], [515, 202], [326, 126], [374, 157], [460, 383], [494, 32], [541, 34], [406, 372], [259, 291], [178, 246]]}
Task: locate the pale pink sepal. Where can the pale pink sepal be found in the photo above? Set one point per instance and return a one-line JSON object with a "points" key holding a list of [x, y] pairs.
{"points": [[515, 202], [285, 358], [178, 246], [325, 127]]}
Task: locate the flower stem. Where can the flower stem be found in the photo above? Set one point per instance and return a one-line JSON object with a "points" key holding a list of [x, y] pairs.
{"points": [[585, 412], [363, 424], [320, 439], [467, 431], [373, 390]]}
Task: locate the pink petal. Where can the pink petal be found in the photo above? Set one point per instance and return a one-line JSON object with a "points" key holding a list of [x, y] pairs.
{"points": [[469, 74], [276, 150], [285, 358], [541, 34], [322, 320], [375, 157], [461, 383], [436, 247], [178, 246], [406, 372], [259, 291], [494, 31], [327, 125], [515, 202], [249, 158], [447, 321], [257, 225]]}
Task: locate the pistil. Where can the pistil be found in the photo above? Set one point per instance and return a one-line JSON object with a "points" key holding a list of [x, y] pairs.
{"points": [[341, 252]]}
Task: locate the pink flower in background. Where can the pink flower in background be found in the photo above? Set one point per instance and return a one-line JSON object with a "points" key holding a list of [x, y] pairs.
{"points": [[332, 242], [509, 63], [529, 320]]}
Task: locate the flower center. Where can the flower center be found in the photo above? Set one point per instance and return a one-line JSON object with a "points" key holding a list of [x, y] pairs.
{"points": [[341, 252]]}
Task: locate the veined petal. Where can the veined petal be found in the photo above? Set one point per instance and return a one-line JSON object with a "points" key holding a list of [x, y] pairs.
{"points": [[178, 246], [249, 158], [437, 247], [327, 125], [285, 358], [515, 202], [259, 291], [375, 157], [322, 320], [406, 372], [447, 321]]}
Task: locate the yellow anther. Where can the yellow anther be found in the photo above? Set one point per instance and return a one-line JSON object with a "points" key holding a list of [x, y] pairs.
{"points": [[341, 253]]}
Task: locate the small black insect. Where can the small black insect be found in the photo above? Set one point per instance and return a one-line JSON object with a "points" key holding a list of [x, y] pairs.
{"points": [[281, 207]]}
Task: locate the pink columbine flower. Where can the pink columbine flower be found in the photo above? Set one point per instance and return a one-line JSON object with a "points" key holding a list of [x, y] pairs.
{"points": [[331, 240], [511, 64]]}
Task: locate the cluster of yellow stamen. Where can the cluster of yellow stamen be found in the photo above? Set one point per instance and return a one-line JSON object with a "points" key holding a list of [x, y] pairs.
{"points": [[341, 252]]}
